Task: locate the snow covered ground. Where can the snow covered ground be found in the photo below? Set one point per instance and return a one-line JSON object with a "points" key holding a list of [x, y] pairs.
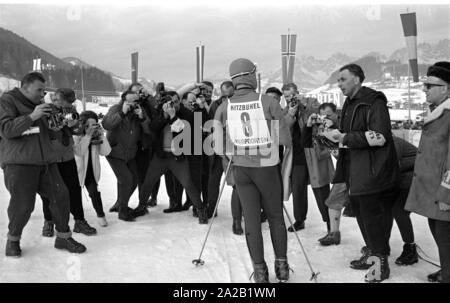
{"points": [[160, 247]]}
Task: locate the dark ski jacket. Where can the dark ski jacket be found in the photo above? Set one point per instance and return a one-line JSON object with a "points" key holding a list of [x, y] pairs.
{"points": [[17, 148], [371, 169]]}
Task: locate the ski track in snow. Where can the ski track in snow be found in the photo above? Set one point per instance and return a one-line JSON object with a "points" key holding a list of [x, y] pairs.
{"points": [[160, 247]]}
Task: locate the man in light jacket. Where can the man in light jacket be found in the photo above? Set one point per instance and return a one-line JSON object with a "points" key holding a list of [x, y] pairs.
{"points": [[429, 195]]}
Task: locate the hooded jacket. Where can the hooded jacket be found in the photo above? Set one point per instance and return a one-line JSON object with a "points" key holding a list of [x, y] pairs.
{"points": [[371, 169], [17, 148]]}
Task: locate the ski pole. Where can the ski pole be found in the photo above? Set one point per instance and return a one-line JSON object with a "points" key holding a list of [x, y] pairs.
{"points": [[313, 273], [199, 261]]}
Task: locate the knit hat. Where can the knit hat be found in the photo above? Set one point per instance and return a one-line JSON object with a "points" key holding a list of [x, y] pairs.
{"points": [[440, 70], [243, 71]]}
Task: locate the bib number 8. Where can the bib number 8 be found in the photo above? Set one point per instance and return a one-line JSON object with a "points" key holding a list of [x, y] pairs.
{"points": [[246, 126]]}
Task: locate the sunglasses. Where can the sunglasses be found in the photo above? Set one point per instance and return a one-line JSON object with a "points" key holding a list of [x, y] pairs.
{"points": [[430, 85]]}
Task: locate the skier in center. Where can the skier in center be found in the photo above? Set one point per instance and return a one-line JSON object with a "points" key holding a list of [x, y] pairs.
{"points": [[254, 129]]}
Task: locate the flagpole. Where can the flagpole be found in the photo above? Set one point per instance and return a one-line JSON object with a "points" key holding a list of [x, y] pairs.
{"points": [[259, 83], [82, 89], [409, 84]]}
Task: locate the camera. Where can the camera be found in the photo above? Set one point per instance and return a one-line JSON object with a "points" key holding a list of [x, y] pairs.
{"points": [[319, 119], [294, 102], [133, 106], [160, 96], [167, 98], [97, 135], [60, 115], [195, 103], [142, 94]]}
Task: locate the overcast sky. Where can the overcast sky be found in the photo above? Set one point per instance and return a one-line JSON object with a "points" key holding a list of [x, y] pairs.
{"points": [[166, 37]]}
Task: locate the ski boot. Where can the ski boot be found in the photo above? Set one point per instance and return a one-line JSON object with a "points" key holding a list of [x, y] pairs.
{"points": [[260, 273], [282, 270]]}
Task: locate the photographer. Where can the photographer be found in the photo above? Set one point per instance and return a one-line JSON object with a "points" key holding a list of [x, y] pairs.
{"points": [[310, 162], [338, 197], [88, 147], [125, 124], [28, 163], [65, 158], [144, 152], [216, 163], [192, 108], [169, 158]]}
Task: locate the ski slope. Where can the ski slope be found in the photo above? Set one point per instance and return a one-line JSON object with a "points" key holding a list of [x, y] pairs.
{"points": [[160, 247]]}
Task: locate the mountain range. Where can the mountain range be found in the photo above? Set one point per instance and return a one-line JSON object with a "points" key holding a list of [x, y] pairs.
{"points": [[17, 54]]}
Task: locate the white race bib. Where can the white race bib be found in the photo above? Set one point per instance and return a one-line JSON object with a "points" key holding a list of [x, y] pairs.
{"points": [[247, 125]]}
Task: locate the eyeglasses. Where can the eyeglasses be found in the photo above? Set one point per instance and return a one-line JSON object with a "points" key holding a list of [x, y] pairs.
{"points": [[430, 85]]}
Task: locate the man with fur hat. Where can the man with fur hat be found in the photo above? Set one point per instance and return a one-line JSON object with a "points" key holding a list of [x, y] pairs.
{"points": [[429, 195], [248, 116]]}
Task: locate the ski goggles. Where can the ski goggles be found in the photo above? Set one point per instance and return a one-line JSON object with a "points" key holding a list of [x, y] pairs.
{"points": [[244, 73]]}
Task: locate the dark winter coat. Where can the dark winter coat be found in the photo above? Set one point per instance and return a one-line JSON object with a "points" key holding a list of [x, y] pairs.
{"points": [[16, 148], [124, 132], [373, 169], [406, 154]]}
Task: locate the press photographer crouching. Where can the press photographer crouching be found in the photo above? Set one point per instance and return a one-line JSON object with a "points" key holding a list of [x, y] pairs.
{"points": [[65, 118], [125, 124], [168, 125], [29, 167]]}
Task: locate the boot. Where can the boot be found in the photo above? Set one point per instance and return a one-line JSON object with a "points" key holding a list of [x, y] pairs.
{"points": [[210, 213], [409, 255], [435, 277], [126, 214], [365, 250], [81, 226], [282, 270], [13, 249], [237, 227], [361, 263], [380, 273], [69, 244], [114, 208], [297, 226], [173, 208], [140, 210], [260, 273], [187, 205], [152, 202], [333, 238], [321, 239], [102, 221], [48, 229], [202, 216]]}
